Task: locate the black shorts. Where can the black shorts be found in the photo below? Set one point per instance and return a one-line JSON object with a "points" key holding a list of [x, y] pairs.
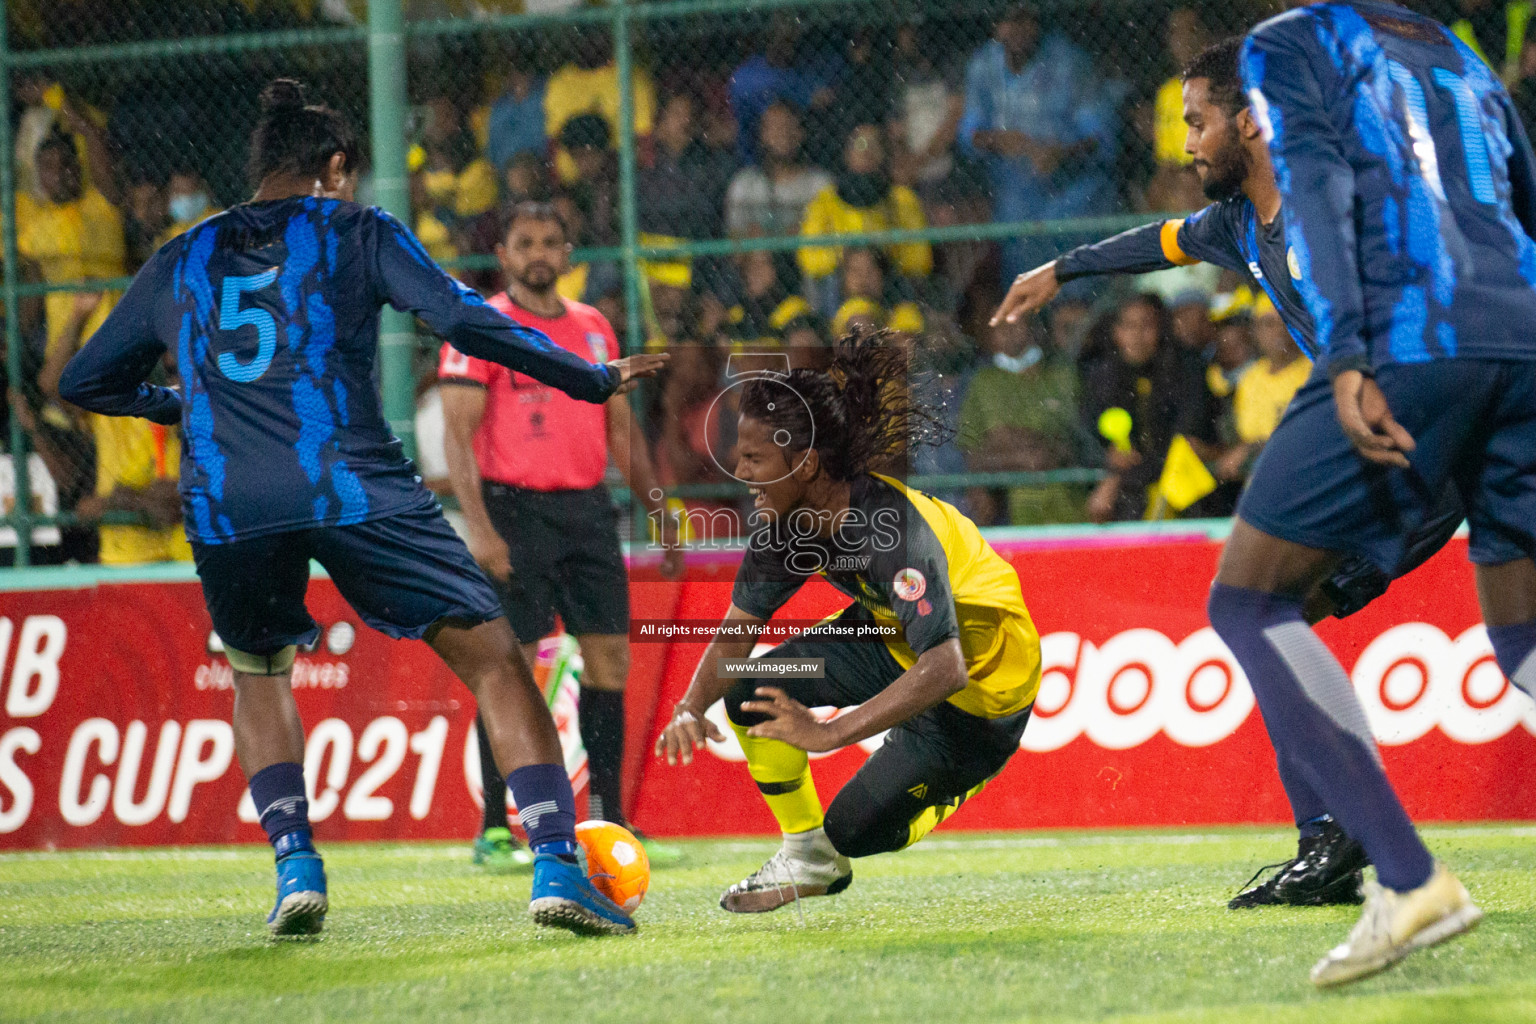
{"points": [[401, 574], [1357, 582], [926, 768], [566, 558]]}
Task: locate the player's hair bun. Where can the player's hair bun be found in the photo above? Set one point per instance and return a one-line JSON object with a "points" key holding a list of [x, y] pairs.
{"points": [[282, 94]]}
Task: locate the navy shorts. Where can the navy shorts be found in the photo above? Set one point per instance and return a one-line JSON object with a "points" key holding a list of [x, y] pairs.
{"points": [[401, 574], [1474, 421]]}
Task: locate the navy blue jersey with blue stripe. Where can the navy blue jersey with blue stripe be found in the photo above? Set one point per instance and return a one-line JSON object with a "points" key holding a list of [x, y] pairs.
{"points": [[1408, 183], [1226, 234], [272, 310]]}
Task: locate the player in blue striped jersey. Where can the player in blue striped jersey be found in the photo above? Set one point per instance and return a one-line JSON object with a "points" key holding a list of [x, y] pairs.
{"points": [[1409, 197], [1243, 231], [272, 311]]}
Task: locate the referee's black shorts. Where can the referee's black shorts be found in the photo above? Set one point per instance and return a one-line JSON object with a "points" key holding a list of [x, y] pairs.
{"points": [[566, 559]]}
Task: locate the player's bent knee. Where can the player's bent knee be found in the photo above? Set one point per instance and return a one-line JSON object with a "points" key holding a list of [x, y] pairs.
{"points": [[858, 827], [261, 664]]}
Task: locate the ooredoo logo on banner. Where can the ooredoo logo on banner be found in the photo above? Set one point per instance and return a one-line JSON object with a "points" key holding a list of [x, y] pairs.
{"points": [[1138, 683]]}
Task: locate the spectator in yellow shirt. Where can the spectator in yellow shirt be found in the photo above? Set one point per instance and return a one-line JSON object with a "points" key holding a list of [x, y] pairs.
{"points": [[74, 232], [862, 199], [590, 85], [1264, 391]]}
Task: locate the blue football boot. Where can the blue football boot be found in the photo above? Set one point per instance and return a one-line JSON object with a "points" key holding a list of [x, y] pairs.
{"points": [[301, 902], [563, 897]]}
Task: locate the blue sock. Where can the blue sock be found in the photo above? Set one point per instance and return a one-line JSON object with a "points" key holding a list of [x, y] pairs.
{"points": [[546, 807], [1315, 720], [1512, 646], [1313, 827], [278, 793]]}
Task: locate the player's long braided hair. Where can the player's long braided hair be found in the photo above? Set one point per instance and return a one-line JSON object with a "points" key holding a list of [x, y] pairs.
{"points": [[858, 414], [296, 137]]}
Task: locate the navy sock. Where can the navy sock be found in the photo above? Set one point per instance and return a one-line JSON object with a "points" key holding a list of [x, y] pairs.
{"points": [[493, 786], [1315, 720], [546, 806], [602, 733], [1306, 806], [1512, 646], [278, 793]]}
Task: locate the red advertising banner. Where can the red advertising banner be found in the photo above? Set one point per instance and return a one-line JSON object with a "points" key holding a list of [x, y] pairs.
{"points": [[116, 703]]}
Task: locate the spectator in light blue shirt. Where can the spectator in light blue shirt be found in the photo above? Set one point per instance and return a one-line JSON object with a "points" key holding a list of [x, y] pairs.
{"points": [[1040, 118], [517, 120]]}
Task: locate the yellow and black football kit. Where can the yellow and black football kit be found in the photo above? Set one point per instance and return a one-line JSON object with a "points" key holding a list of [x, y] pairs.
{"points": [[916, 564]]}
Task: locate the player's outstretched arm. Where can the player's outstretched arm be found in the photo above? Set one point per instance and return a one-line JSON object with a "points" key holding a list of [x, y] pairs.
{"points": [[938, 675], [107, 375], [689, 729], [1141, 250], [409, 280]]}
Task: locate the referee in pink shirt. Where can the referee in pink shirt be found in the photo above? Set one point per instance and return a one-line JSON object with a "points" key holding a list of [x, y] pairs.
{"points": [[527, 463]]}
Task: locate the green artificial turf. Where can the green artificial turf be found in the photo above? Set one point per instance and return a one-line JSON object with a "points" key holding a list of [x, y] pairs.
{"points": [[1123, 926]]}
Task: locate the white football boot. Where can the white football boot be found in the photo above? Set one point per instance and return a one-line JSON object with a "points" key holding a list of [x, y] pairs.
{"points": [[1394, 924], [806, 865]]}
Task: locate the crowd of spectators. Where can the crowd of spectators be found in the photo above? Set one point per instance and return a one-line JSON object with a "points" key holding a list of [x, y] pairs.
{"points": [[789, 127]]}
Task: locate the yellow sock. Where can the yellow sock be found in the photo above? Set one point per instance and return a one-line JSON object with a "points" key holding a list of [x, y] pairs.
{"points": [[783, 776]]}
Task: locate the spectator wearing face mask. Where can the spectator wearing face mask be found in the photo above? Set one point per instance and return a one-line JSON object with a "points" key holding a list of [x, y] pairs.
{"points": [[1019, 414], [188, 200]]}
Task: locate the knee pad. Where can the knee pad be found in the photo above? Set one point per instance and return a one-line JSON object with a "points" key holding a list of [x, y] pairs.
{"points": [[261, 664]]}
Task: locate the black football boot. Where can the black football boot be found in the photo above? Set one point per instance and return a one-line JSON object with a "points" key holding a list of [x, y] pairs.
{"points": [[1326, 870]]}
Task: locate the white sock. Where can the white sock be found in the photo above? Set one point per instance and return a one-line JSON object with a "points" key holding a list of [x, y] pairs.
{"points": [[812, 847]]}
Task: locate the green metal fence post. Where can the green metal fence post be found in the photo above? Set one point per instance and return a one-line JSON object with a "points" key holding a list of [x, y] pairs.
{"points": [[624, 59], [21, 515], [386, 120]]}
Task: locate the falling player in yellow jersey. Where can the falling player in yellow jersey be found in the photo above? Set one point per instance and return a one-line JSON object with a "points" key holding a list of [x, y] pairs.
{"points": [[949, 661]]}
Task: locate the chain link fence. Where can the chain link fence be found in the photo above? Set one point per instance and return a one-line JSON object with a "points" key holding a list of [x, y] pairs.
{"points": [[736, 178]]}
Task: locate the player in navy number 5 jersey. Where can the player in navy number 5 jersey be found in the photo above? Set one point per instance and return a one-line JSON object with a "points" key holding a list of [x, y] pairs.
{"points": [[272, 309], [1409, 198]]}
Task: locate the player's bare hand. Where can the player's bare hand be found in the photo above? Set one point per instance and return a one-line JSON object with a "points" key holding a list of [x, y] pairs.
{"points": [[1368, 422], [633, 369], [687, 732], [1101, 503], [790, 721], [1030, 292], [491, 553]]}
